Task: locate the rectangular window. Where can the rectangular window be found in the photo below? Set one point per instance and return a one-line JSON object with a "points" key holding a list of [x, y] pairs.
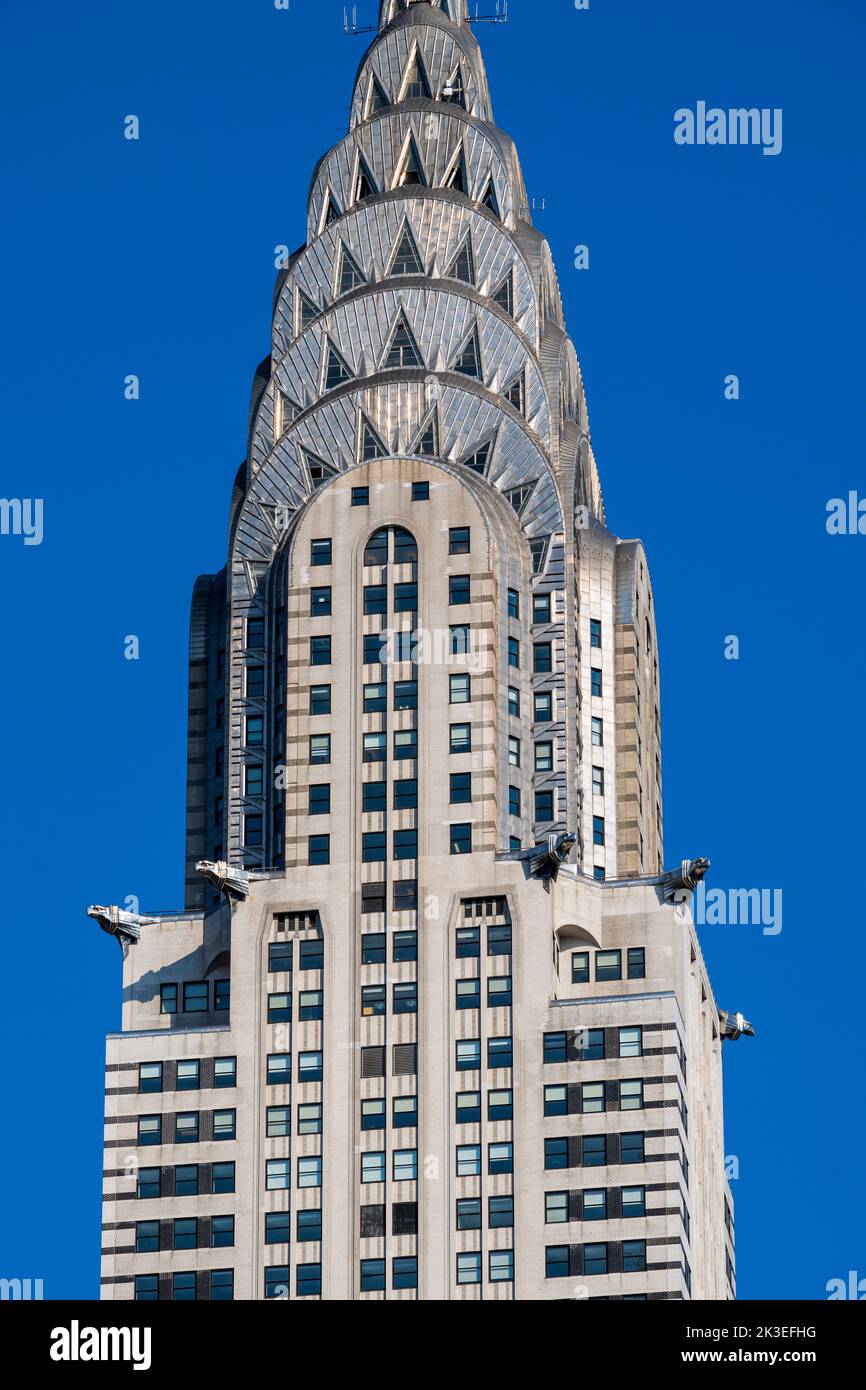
{"points": [[633, 1201], [555, 1047], [514, 604], [405, 1112], [468, 1160], [514, 703], [461, 839], [255, 633], [168, 999], [372, 1168], [632, 1148], [224, 1124], [543, 658], [631, 1042], [631, 1095], [595, 1259], [458, 589], [255, 780], [594, 632], [637, 963], [255, 689], [310, 1171], [320, 602], [320, 553], [608, 965], [320, 750], [320, 699], [420, 492], [598, 781], [596, 683], [594, 1151], [149, 1183], [598, 835], [320, 651], [277, 1281], [499, 941], [406, 745], [555, 1208], [405, 599], [360, 496], [592, 1098], [500, 1105], [319, 849], [149, 1077], [544, 808], [541, 608], [406, 695], [279, 1008], [580, 967], [543, 711], [309, 1225], [555, 1154], [544, 757], [308, 1278], [375, 748], [375, 796], [405, 1165], [514, 653], [309, 1067], [460, 689], [468, 1055], [514, 752], [556, 1100], [405, 844], [500, 1158], [499, 1052], [514, 801], [501, 1265], [278, 1225], [461, 640], [186, 1182], [372, 1276], [468, 994], [320, 799], [461, 788], [469, 1214], [373, 899], [186, 1127], [279, 957], [405, 998], [405, 900], [223, 1178], [461, 738], [590, 1043], [146, 1237], [375, 649], [310, 1005], [468, 943], [556, 1265], [633, 1256], [147, 1288], [374, 1001], [278, 1119], [195, 997], [374, 847], [598, 733], [406, 794], [280, 1069], [468, 1108], [375, 699]]}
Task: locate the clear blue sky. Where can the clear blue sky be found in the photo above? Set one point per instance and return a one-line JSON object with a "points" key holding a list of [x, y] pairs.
{"points": [[156, 258]]}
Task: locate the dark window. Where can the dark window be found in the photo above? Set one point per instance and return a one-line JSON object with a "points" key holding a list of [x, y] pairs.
{"points": [[541, 608], [279, 956], [459, 540], [420, 492], [195, 997], [320, 799], [556, 1265], [223, 1179], [405, 844], [375, 797], [556, 1153], [544, 806], [277, 1227], [360, 496], [514, 653], [405, 946], [168, 999], [406, 794], [309, 1277], [500, 1212], [373, 898], [461, 788], [320, 651], [149, 1077], [499, 1052], [320, 553], [372, 1276], [580, 967], [468, 994], [461, 839], [319, 849], [543, 658], [458, 589], [596, 683], [147, 1237], [320, 602], [255, 685], [514, 801], [255, 632], [556, 1047], [149, 1183], [468, 943], [406, 998], [513, 604], [594, 632], [461, 738], [309, 1225], [499, 941], [637, 963], [469, 1214], [631, 1148]]}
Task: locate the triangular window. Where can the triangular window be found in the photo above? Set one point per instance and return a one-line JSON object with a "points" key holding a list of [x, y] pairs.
{"points": [[378, 100], [454, 90], [503, 295], [456, 178], [372, 446], [468, 360], [406, 259], [403, 351], [287, 411], [519, 496], [365, 184], [479, 459], [412, 173], [538, 551], [427, 443], [490, 199], [463, 265], [332, 210], [307, 310], [351, 275], [319, 471], [337, 369], [516, 393], [416, 85]]}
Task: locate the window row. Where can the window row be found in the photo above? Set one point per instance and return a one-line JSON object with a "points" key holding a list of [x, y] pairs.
{"points": [[608, 965], [374, 999], [374, 897], [468, 1159], [187, 1127], [278, 1120], [500, 1106], [499, 990], [374, 946], [468, 1053], [185, 1180], [583, 1261], [217, 1285], [279, 1068], [594, 1204], [593, 1044], [308, 1281], [310, 1006], [468, 941], [184, 1233], [194, 997], [500, 1267], [311, 956], [594, 1150], [594, 1098], [190, 1074], [500, 1213]]}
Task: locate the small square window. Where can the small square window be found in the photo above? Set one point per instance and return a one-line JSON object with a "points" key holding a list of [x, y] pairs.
{"points": [[360, 497], [420, 492]]}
